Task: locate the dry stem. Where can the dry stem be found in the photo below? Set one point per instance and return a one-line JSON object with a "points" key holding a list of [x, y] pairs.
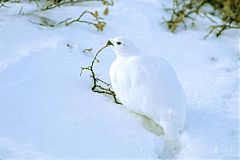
{"points": [[97, 87], [98, 23], [53, 4]]}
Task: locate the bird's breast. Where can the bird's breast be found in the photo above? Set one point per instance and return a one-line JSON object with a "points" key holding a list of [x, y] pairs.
{"points": [[120, 80]]}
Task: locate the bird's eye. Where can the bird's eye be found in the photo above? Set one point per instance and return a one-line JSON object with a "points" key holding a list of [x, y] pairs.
{"points": [[118, 43]]}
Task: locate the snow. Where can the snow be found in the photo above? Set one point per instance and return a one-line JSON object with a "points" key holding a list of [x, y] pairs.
{"points": [[49, 112]]}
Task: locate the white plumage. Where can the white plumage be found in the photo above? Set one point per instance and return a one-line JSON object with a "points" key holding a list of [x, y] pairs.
{"points": [[148, 85]]}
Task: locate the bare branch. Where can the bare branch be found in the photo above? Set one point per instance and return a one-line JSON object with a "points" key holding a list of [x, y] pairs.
{"points": [[219, 29], [97, 22], [97, 82], [53, 4], [2, 3]]}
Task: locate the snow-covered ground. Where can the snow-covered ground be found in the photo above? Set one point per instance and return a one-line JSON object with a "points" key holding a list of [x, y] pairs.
{"points": [[47, 111]]}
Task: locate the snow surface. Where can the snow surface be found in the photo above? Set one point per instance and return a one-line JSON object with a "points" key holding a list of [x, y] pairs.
{"points": [[49, 112]]}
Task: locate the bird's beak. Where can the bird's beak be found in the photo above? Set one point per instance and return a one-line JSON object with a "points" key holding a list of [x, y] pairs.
{"points": [[109, 43]]}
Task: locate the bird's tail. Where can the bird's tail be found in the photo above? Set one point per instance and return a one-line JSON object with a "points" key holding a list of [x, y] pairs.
{"points": [[150, 125]]}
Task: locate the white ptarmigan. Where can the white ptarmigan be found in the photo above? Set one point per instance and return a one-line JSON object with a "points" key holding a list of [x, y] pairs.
{"points": [[148, 85]]}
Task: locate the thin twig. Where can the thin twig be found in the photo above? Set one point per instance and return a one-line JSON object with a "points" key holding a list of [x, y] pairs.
{"points": [[220, 29], [97, 87], [20, 12], [97, 20], [2, 4], [87, 50], [51, 4]]}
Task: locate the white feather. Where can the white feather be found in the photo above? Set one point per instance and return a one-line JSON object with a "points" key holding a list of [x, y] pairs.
{"points": [[148, 85]]}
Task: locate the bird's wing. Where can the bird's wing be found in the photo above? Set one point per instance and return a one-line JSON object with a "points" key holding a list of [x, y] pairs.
{"points": [[152, 82]]}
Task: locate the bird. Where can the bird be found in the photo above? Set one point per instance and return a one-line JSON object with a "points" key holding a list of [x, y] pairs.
{"points": [[148, 85]]}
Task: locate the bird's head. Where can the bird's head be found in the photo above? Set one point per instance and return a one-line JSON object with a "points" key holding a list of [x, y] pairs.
{"points": [[122, 47]]}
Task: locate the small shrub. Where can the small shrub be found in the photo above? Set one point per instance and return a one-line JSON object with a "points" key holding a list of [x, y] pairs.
{"points": [[185, 11], [43, 6]]}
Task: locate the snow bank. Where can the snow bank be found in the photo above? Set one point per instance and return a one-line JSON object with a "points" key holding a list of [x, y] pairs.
{"points": [[48, 111]]}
